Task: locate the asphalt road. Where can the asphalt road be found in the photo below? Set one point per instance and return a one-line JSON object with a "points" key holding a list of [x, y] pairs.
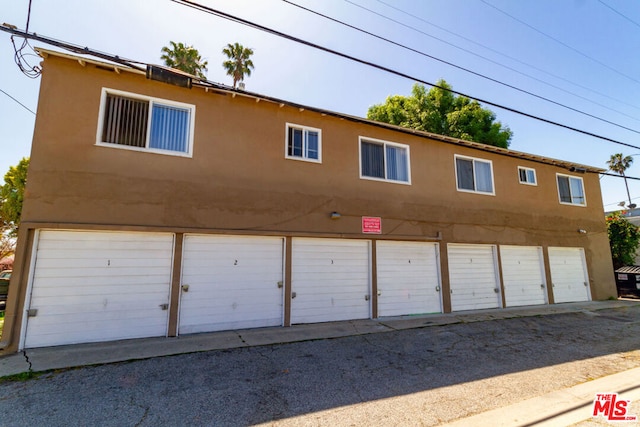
{"points": [[424, 376]]}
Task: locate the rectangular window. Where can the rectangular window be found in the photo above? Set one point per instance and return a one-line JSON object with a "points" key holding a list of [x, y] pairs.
{"points": [[384, 161], [571, 190], [474, 175], [303, 143], [145, 124], [527, 175]]}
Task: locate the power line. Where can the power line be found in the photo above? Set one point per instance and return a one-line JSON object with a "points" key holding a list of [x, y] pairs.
{"points": [[245, 22], [560, 42], [619, 176], [621, 204], [134, 65], [461, 68], [73, 47], [31, 71], [573, 83], [619, 13], [20, 103]]}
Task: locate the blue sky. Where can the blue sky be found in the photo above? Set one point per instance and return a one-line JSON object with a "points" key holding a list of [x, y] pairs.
{"points": [[580, 53]]}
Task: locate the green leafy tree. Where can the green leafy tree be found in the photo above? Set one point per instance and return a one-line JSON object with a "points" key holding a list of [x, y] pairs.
{"points": [[239, 63], [624, 239], [11, 196], [7, 246], [619, 163], [184, 58], [439, 111]]}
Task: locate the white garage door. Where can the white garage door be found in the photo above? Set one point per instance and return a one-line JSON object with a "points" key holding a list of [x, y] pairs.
{"points": [[231, 282], [523, 275], [330, 280], [99, 286], [408, 278], [473, 277], [569, 275]]}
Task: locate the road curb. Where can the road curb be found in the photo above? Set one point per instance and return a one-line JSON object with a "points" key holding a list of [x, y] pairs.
{"points": [[559, 408]]}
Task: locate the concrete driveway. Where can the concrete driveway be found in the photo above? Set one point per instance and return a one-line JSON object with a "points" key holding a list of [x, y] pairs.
{"points": [[419, 376]]}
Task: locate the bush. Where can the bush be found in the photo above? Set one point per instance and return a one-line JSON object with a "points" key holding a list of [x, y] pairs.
{"points": [[624, 238]]}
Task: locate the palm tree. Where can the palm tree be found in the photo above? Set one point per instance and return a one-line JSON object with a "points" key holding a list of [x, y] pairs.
{"points": [[239, 63], [619, 164], [184, 58]]}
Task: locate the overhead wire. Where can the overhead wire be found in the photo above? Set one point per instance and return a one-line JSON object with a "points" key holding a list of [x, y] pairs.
{"points": [[18, 102], [619, 13], [31, 71], [461, 68], [132, 64], [610, 68], [419, 18], [498, 63], [75, 48], [467, 39], [256, 26]]}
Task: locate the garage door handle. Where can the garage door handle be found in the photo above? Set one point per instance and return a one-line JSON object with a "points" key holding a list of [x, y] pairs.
{"points": [[437, 288], [542, 286], [185, 288], [585, 283], [164, 306], [293, 295], [366, 297]]}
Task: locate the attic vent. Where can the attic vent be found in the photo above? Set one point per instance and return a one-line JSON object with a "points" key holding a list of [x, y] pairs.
{"points": [[102, 67], [166, 75]]}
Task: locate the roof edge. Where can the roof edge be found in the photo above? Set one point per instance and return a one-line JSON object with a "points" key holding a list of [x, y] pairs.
{"points": [[206, 84]]}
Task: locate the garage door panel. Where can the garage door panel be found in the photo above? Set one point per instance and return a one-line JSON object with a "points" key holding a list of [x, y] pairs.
{"points": [[82, 290], [103, 279], [473, 277], [568, 274], [337, 267], [482, 297], [408, 278], [113, 271], [235, 301], [66, 318], [523, 275], [234, 282], [110, 327], [63, 265], [89, 295], [113, 308], [319, 280], [330, 280], [80, 248]]}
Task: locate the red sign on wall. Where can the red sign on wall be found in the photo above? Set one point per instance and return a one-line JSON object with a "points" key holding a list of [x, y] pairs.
{"points": [[371, 225]]}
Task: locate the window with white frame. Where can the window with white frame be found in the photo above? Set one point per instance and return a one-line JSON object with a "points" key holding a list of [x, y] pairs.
{"points": [[527, 176], [145, 124], [384, 160], [571, 190], [304, 143], [474, 175]]}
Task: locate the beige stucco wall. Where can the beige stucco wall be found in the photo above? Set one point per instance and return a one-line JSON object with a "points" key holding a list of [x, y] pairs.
{"points": [[239, 180], [239, 177]]}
